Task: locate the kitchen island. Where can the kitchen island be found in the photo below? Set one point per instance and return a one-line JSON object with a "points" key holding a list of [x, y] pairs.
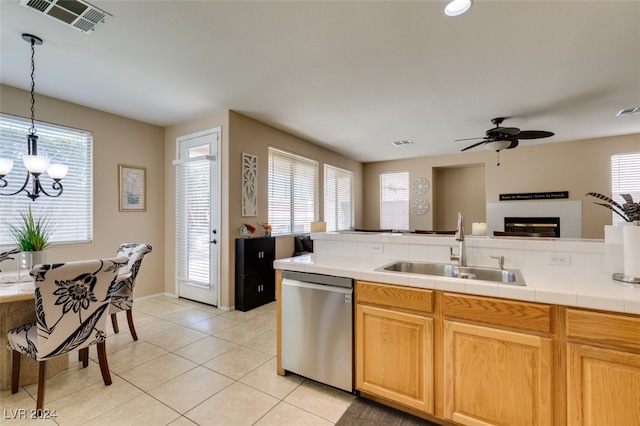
{"points": [[563, 349]]}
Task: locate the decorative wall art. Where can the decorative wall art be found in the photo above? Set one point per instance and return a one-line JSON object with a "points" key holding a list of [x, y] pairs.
{"points": [[420, 186], [249, 184], [420, 207], [132, 188]]}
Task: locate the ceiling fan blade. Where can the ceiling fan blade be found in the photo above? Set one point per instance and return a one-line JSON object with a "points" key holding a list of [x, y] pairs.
{"points": [[473, 146], [534, 134], [468, 139], [509, 131]]}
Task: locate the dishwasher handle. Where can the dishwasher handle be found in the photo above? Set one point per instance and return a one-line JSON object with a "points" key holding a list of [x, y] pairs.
{"points": [[321, 287], [318, 279]]}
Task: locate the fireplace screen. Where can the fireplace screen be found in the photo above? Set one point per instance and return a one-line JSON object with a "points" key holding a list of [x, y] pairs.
{"points": [[530, 225]]}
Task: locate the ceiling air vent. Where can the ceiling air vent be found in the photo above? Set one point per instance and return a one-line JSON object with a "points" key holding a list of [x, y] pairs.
{"points": [[628, 111], [402, 143], [78, 14]]}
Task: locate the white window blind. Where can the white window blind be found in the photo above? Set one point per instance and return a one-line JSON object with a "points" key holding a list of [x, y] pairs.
{"points": [[71, 212], [193, 205], [394, 201], [338, 198], [293, 192], [625, 179]]}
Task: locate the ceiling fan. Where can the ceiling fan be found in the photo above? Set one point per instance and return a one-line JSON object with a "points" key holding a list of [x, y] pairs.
{"points": [[500, 138]]}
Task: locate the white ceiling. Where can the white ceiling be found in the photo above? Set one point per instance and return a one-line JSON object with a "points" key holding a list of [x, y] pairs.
{"points": [[351, 76]]}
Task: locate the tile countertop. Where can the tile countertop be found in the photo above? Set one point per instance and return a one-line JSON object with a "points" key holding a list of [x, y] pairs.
{"points": [[593, 288]]}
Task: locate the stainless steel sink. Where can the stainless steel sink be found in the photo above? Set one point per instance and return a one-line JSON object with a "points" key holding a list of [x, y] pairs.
{"points": [[503, 276]]}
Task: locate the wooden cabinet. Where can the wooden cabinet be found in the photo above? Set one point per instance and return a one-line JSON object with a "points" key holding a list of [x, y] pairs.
{"points": [[255, 277], [394, 344], [494, 375], [603, 377]]}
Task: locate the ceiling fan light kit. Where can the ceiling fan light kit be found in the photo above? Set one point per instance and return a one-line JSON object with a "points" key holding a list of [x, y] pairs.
{"points": [[457, 7]]}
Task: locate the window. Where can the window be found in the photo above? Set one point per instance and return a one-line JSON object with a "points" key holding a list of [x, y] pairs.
{"points": [[293, 192], [394, 201], [71, 213], [338, 198], [625, 179]]}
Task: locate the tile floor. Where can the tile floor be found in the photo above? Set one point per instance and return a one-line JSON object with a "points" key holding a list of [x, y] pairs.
{"points": [[193, 364]]}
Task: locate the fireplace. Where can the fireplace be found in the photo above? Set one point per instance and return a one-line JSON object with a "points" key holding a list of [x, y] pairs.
{"points": [[533, 225]]}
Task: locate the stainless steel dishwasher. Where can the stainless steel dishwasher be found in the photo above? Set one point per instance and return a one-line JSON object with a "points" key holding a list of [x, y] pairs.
{"points": [[317, 327]]}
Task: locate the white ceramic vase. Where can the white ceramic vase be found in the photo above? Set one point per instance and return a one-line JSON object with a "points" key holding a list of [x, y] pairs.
{"points": [[30, 258]]}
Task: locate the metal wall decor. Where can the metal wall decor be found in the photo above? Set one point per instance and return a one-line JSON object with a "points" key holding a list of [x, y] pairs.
{"points": [[249, 184], [420, 207], [420, 186]]}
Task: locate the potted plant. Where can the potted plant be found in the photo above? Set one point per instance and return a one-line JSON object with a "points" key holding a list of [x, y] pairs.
{"points": [[629, 211], [32, 236]]}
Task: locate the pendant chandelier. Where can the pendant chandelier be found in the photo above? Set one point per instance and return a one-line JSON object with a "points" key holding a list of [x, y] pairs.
{"points": [[36, 164]]}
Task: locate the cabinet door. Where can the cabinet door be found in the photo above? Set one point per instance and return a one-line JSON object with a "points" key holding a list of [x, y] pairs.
{"points": [[603, 386], [254, 255], [496, 377], [394, 356]]}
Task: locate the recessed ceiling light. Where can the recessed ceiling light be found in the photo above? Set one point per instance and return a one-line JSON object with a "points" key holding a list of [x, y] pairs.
{"points": [[457, 7]]}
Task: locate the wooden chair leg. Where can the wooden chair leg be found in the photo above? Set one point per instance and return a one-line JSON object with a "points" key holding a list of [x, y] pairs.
{"points": [[42, 380], [104, 365], [83, 355], [131, 327], [15, 374], [114, 322]]}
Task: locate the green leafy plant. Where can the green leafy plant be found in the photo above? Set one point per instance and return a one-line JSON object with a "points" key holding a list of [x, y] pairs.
{"points": [[34, 233], [629, 211]]}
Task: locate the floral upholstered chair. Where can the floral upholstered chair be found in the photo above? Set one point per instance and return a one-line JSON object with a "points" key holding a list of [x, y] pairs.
{"points": [[72, 303], [123, 294]]}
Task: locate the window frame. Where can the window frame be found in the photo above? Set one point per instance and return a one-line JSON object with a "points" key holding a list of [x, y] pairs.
{"points": [[62, 144], [393, 223], [332, 218], [625, 179], [289, 190]]}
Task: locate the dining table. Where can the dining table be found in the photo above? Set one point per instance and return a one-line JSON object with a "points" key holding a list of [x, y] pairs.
{"points": [[17, 307]]}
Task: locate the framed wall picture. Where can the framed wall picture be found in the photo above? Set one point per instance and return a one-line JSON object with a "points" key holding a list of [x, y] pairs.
{"points": [[132, 188]]}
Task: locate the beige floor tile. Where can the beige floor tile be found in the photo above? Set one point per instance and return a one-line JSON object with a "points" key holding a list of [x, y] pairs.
{"points": [[182, 421], [142, 410], [69, 381], [86, 404], [236, 405], [240, 333], [205, 349], [213, 325], [158, 371], [140, 319], [190, 389], [158, 307], [175, 339], [324, 401], [241, 316], [157, 328], [265, 342], [237, 362], [188, 316], [263, 320], [265, 379], [133, 356], [286, 414]]}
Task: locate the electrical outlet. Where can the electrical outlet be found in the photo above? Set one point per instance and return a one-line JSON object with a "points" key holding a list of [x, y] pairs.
{"points": [[559, 259], [376, 248]]}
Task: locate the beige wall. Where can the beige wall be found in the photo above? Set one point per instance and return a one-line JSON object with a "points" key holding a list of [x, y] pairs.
{"points": [[578, 167], [458, 189], [116, 140], [242, 134]]}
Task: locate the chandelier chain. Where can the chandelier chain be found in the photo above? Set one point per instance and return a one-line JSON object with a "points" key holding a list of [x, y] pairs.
{"points": [[33, 130]]}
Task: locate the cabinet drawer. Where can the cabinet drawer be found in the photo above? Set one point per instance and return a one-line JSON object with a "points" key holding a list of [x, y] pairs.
{"points": [[413, 299], [520, 315], [611, 329]]}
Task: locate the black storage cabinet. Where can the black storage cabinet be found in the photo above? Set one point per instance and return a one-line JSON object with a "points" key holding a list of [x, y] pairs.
{"points": [[255, 277]]}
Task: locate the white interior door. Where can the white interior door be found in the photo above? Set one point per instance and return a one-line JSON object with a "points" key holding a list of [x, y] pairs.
{"points": [[197, 216]]}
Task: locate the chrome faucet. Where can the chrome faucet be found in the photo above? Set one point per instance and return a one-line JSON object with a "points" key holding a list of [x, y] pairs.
{"points": [[461, 257]]}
